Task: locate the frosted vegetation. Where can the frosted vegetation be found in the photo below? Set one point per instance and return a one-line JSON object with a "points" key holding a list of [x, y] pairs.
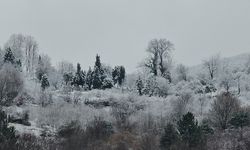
{"points": [[160, 106]]}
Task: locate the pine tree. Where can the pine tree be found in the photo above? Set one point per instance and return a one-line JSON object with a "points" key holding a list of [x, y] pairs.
{"points": [[121, 75], [9, 56], [139, 85], [169, 138], [89, 78], [98, 74], [39, 70], [44, 82], [79, 78], [118, 75], [190, 132]]}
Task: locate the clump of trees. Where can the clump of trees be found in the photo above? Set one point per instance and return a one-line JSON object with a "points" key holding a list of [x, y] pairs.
{"points": [[11, 81], [98, 78]]}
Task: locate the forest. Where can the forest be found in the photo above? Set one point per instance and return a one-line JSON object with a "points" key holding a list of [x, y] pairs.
{"points": [[163, 105]]}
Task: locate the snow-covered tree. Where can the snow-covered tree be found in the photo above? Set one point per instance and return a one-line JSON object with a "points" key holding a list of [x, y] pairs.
{"points": [[139, 85], [44, 82], [89, 78], [43, 66], [182, 72], [9, 56], [25, 50], [159, 58], [98, 74], [11, 83], [212, 65], [223, 108], [118, 75], [226, 79], [16, 44], [65, 67], [79, 78], [31, 54], [68, 78]]}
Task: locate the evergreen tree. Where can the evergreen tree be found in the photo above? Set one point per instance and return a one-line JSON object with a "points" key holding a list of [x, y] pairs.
{"points": [[118, 75], [44, 82], [107, 83], [139, 85], [115, 74], [98, 74], [98, 62], [79, 79], [9, 56], [189, 130], [169, 138], [39, 70], [89, 78], [67, 77], [122, 75]]}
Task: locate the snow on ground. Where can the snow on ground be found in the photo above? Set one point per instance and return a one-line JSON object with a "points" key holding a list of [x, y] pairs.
{"points": [[22, 129]]}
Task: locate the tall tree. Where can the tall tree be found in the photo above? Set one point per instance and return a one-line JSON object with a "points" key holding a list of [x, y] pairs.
{"points": [[189, 130], [159, 58], [153, 58], [98, 74], [89, 78], [182, 72], [164, 49], [79, 78], [212, 65], [139, 85], [44, 82], [118, 75], [43, 66], [31, 54]]}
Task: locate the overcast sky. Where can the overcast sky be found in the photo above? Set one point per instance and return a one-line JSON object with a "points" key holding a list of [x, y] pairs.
{"points": [[119, 30]]}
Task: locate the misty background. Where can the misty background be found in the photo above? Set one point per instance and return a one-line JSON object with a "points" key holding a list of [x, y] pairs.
{"points": [[119, 30]]}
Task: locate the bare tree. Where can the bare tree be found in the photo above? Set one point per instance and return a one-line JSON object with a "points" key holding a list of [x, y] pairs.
{"points": [[226, 79], [182, 72], [65, 67], [212, 65], [223, 108], [31, 54]]}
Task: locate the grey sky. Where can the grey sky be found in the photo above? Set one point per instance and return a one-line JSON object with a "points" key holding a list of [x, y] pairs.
{"points": [[119, 30]]}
